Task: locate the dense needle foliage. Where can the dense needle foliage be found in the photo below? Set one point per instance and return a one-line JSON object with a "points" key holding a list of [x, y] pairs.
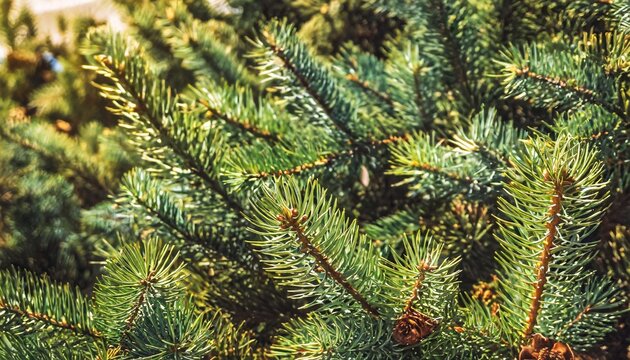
{"points": [[451, 186]]}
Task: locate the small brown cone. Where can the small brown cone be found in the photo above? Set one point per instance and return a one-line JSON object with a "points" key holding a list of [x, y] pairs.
{"points": [[412, 327]]}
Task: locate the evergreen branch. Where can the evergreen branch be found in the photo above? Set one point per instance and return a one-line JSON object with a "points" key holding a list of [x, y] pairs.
{"points": [[429, 165], [560, 183], [151, 195], [311, 224], [320, 89], [173, 330], [139, 303], [589, 310], [36, 304], [453, 48], [365, 86], [306, 85], [348, 336], [580, 91], [492, 139], [556, 200], [142, 96], [43, 318], [329, 159], [243, 125], [422, 269], [57, 149], [237, 107], [195, 44], [559, 77], [417, 279], [289, 220], [413, 85], [133, 280]]}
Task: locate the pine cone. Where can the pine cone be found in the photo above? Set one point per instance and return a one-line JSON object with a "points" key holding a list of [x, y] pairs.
{"points": [[542, 348], [412, 327]]}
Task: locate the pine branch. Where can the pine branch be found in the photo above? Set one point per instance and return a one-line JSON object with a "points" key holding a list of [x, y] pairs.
{"points": [[321, 93], [237, 107], [133, 280], [560, 184], [556, 199], [29, 303], [289, 220], [143, 99], [329, 159], [296, 222]]}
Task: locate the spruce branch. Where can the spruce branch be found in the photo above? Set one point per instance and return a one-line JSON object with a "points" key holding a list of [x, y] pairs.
{"points": [[57, 148], [172, 330], [420, 279], [580, 91], [557, 198], [369, 89], [29, 303], [560, 183], [429, 165], [237, 107], [151, 195], [330, 159], [289, 220], [195, 44], [308, 240], [559, 77], [413, 85], [319, 336], [144, 101], [453, 48], [492, 139], [304, 81], [138, 276]]}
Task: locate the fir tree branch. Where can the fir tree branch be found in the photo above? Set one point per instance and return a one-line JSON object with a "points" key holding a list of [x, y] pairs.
{"points": [[580, 91], [118, 73], [40, 317], [139, 303], [366, 87], [560, 183], [291, 219], [329, 159], [312, 78], [453, 49], [242, 124]]}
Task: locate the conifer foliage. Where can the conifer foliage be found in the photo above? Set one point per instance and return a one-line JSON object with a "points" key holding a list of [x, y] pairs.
{"points": [[456, 197]]}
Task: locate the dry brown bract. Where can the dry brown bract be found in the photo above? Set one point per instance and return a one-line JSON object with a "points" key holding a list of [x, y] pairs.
{"points": [[542, 348]]}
